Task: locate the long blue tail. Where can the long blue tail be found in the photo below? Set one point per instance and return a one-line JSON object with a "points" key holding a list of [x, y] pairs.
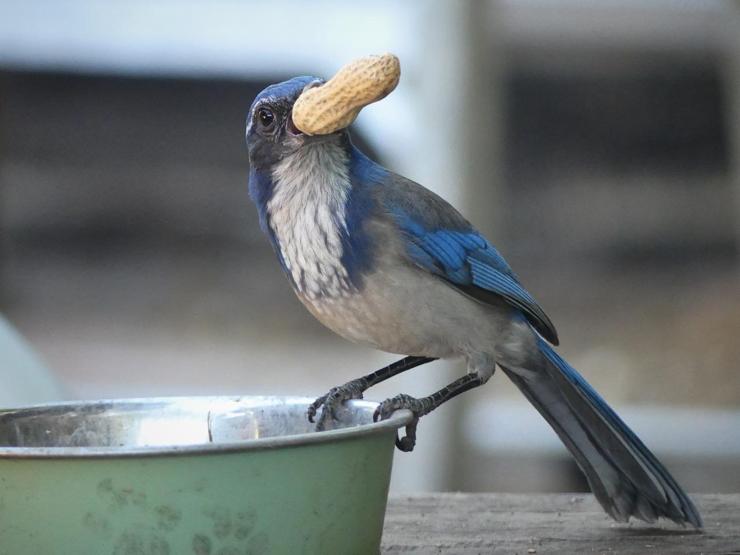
{"points": [[626, 478]]}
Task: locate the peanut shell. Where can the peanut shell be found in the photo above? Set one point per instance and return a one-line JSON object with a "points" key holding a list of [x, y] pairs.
{"points": [[335, 104]]}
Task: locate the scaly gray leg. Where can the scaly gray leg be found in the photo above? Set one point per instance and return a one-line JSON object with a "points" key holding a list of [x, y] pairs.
{"points": [[423, 406], [355, 388]]}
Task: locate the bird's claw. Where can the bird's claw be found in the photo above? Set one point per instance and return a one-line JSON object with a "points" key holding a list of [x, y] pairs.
{"points": [[402, 401], [331, 402], [314, 407]]}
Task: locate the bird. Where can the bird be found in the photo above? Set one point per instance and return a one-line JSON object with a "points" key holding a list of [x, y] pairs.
{"points": [[386, 263]]}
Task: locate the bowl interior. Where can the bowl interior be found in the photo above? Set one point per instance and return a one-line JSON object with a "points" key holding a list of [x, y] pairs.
{"points": [[166, 422]]}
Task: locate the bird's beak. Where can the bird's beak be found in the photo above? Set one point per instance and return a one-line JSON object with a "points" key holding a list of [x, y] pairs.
{"points": [[291, 128]]}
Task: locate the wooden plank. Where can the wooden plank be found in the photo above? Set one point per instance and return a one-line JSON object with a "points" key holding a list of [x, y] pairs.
{"points": [[553, 523]]}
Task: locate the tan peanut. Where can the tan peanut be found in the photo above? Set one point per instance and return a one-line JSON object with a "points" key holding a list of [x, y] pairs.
{"points": [[335, 104]]}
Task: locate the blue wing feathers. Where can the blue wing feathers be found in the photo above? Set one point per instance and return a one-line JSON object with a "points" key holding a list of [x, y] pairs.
{"points": [[451, 254], [451, 248], [468, 261], [444, 243]]}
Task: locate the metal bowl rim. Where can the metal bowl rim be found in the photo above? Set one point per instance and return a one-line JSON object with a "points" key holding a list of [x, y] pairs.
{"points": [[397, 420]]}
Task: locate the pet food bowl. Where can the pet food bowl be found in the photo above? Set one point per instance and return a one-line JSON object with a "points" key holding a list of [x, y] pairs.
{"points": [[193, 475]]}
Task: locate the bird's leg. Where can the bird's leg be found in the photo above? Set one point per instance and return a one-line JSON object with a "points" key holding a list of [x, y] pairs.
{"points": [[425, 405], [355, 388]]}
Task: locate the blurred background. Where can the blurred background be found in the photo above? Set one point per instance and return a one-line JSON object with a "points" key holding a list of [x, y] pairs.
{"points": [[597, 144]]}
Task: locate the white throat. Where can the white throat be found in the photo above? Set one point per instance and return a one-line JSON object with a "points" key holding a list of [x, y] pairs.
{"points": [[307, 216]]}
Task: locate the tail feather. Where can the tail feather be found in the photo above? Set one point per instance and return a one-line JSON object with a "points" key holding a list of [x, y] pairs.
{"points": [[626, 478]]}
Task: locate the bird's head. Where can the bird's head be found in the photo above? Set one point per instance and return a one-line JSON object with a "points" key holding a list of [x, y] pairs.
{"points": [[322, 110], [271, 134]]}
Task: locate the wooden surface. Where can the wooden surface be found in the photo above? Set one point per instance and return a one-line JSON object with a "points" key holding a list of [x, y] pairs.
{"points": [[545, 524]]}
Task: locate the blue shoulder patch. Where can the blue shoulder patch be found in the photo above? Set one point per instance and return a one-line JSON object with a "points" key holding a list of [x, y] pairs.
{"points": [[357, 252]]}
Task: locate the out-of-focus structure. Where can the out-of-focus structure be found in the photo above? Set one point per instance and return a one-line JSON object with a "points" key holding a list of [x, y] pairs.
{"points": [[597, 144]]}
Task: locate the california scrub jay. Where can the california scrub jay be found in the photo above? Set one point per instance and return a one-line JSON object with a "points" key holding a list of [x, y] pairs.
{"points": [[382, 261]]}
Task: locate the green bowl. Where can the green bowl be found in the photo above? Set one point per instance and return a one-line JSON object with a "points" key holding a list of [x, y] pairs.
{"points": [[193, 475]]}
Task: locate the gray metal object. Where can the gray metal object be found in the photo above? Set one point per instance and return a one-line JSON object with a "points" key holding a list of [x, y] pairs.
{"points": [[171, 425], [193, 475]]}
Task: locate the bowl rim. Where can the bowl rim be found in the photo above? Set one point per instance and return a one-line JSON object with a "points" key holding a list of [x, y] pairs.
{"points": [[397, 420]]}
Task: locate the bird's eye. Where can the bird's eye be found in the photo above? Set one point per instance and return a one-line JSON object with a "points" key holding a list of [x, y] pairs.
{"points": [[265, 117]]}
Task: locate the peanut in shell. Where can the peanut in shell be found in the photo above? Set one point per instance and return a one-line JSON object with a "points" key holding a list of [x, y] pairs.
{"points": [[335, 104]]}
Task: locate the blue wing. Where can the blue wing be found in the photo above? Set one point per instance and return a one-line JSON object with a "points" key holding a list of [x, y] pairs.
{"points": [[441, 241]]}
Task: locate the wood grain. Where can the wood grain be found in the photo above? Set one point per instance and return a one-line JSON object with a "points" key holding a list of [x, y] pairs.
{"points": [[551, 523]]}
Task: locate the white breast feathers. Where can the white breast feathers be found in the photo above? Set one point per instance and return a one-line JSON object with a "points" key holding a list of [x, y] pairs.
{"points": [[307, 216]]}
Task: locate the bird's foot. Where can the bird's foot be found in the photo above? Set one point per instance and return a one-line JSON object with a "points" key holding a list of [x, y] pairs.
{"points": [[419, 407], [333, 401]]}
